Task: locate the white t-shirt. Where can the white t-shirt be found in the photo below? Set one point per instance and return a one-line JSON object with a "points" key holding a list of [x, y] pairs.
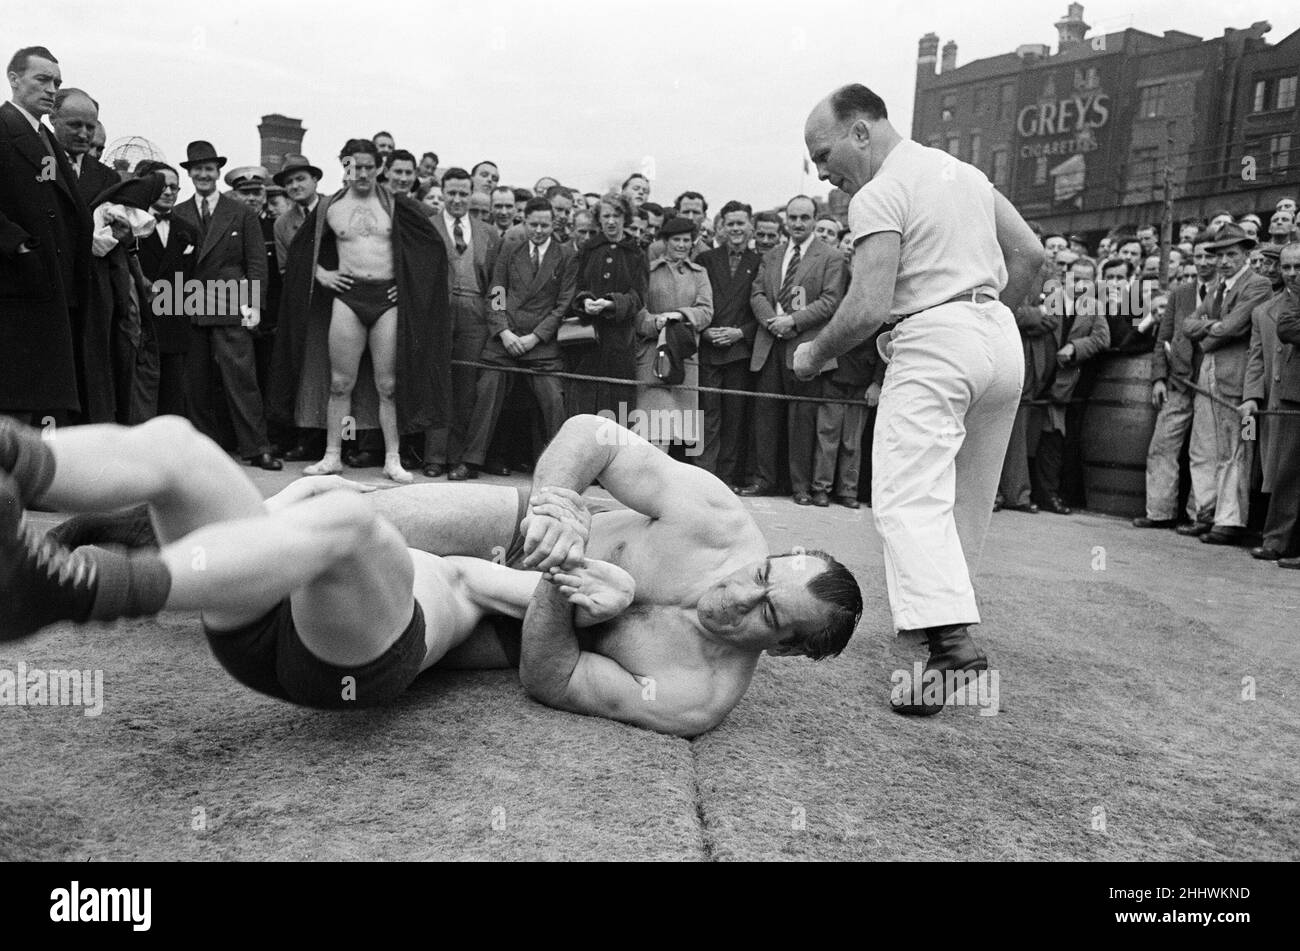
{"points": [[943, 209]]}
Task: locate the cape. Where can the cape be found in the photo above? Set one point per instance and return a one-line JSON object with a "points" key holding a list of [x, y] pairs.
{"points": [[300, 369]]}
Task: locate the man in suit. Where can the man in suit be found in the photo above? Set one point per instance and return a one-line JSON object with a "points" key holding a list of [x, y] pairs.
{"points": [[726, 346], [796, 291], [166, 259], [75, 118], [1221, 325], [1273, 383], [471, 253], [44, 251], [1176, 358], [231, 264], [533, 283]]}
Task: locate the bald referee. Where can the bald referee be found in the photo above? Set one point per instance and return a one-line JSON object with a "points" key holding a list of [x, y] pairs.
{"points": [[939, 254]]}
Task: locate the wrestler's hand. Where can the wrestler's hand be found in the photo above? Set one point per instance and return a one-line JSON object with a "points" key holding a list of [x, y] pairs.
{"points": [[597, 590], [333, 280], [804, 368], [309, 486], [555, 529]]}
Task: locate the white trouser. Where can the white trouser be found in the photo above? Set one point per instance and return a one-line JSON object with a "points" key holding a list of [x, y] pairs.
{"points": [[946, 410]]}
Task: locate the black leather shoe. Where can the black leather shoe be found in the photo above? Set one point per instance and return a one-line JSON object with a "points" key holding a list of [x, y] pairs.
{"points": [[1028, 508], [1264, 553], [365, 460], [1143, 522], [300, 453], [459, 473], [1194, 529], [434, 469], [265, 461], [951, 650], [821, 499], [1288, 562], [848, 501], [497, 469], [754, 488], [802, 498], [1223, 536], [1056, 506], [410, 460]]}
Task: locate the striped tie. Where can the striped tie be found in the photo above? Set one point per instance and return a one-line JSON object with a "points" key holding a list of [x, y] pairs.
{"points": [[787, 286], [458, 234]]}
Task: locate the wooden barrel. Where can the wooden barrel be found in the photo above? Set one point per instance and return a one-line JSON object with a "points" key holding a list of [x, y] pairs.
{"points": [[1117, 425]]}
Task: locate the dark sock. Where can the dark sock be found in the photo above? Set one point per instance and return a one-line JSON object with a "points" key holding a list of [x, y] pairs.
{"points": [[129, 584], [26, 457], [132, 528]]}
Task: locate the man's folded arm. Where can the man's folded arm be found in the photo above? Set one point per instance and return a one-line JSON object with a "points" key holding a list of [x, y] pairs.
{"points": [[557, 672]]}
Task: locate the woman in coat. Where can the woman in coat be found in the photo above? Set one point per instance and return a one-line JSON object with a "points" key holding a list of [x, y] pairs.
{"points": [[612, 277], [679, 290]]}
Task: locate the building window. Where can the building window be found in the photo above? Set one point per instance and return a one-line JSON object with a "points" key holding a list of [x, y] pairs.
{"points": [[1261, 96], [1151, 103], [1040, 170], [981, 93], [1286, 92], [1007, 104], [954, 146], [1000, 167], [975, 149], [948, 106], [1279, 152]]}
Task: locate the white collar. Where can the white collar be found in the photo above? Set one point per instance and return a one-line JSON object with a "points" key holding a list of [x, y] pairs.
{"points": [[1232, 281], [541, 249], [34, 122]]}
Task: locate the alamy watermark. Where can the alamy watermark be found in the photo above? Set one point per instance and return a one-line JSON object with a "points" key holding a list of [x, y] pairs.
{"points": [[659, 426], [957, 688], [34, 687], [177, 297]]}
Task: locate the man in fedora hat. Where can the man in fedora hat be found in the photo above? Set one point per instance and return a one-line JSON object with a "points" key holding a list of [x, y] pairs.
{"points": [[1221, 326], [231, 264]]}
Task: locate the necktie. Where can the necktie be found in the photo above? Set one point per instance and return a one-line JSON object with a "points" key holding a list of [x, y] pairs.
{"points": [[76, 170], [458, 234], [787, 286], [537, 260], [205, 217], [1200, 292], [1217, 307]]}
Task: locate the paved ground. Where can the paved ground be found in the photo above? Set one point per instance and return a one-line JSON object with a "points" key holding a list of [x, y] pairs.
{"points": [[1147, 710]]}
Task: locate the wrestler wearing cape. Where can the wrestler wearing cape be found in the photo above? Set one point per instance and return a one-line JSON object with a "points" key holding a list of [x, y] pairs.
{"points": [[300, 368]]}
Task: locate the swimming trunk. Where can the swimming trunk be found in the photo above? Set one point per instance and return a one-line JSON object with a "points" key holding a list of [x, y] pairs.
{"points": [[269, 656], [368, 299]]}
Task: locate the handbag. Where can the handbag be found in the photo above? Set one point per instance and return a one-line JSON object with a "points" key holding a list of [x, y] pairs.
{"points": [[573, 331]]}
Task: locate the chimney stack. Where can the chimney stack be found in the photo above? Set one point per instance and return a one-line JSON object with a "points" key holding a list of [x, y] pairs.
{"points": [[949, 62], [280, 135], [1071, 29], [927, 54]]}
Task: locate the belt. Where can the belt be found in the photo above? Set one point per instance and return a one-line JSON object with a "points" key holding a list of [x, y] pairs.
{"points": [[977, 295]]}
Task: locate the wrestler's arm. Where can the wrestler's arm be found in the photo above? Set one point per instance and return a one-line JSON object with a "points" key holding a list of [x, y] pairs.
{"points": [[602, 591], [866, 304], [556, 672], [591, 448]]}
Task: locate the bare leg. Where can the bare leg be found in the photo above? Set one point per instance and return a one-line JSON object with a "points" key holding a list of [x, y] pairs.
{"points": [[383, 358], [476, 520], [347, 342]]}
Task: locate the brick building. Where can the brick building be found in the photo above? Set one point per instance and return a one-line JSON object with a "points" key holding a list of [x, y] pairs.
{"points": [[1085, 138]]}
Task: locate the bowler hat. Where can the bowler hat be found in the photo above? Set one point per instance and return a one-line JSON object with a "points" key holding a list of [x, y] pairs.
{"points": [[678, 225], [201, 151], [1229, 235], [296, 163]]}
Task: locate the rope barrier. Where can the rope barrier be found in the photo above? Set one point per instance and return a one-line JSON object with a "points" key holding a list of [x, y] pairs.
{"points": [[564, 374]]}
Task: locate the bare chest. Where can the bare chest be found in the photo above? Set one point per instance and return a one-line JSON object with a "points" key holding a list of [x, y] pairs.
{"points": [[353, 220]]}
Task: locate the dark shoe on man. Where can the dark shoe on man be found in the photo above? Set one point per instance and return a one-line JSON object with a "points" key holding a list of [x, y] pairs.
{"points": [[997, 503], [265, 461], [821, 499], [459, 473], [952, 654], [300, 453], [364, 459], [1143, 522], [434, 469], [1028, 508], [754, 488], [1056, 506], [1227, 535], [1264, 553], [1194, 529], [802, 498], [848, 501], [409, 459], [496, 469], [1288, 562]]}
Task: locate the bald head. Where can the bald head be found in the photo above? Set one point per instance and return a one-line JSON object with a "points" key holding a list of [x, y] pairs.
{"points": [[848, 134], [75, 117]]}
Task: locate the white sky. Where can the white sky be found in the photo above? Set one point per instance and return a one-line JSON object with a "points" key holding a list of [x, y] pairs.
{"points": [[712, 94]]}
